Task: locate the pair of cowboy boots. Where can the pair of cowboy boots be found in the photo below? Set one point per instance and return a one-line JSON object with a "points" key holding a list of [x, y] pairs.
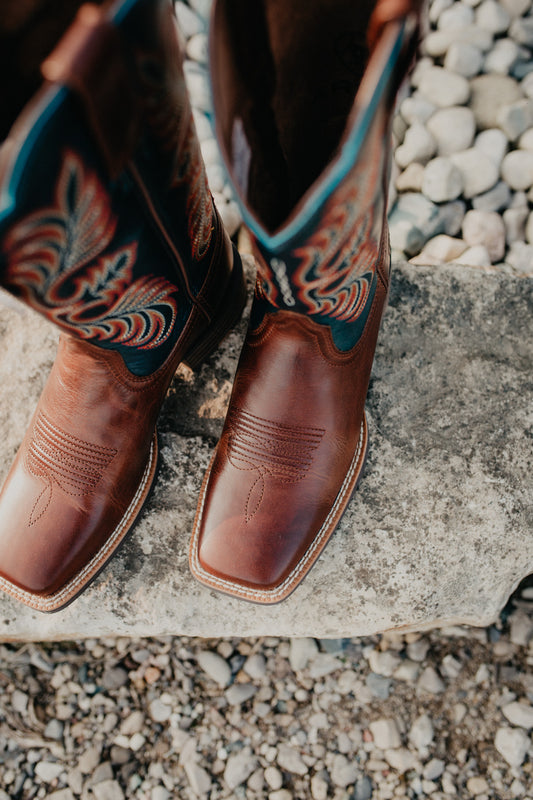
{"points": [[108, 228]]}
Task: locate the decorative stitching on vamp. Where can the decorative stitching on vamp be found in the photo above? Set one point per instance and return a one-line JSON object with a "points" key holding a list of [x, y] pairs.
{"points": [[63, 460], [281, 591], [59, 598], [282, 452]]}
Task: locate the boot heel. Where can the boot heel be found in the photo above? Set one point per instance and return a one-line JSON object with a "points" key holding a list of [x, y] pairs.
{"points": [[231, 306]]}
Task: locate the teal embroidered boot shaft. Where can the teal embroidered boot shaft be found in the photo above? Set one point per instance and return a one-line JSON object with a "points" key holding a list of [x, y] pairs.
{"points": [[303, 95], [108, 229]]}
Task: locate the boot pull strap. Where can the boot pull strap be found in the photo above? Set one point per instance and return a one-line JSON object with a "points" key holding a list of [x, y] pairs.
{"points": [[90, 59], [390, 11]]}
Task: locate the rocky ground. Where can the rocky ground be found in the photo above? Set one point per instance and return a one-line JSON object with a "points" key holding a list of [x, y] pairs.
{"points": [[444, 715], [463, 164]]}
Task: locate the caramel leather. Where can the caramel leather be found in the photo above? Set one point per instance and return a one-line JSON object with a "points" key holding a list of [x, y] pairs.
{"points": [[290, 455], [386, 11], [294, 431], [295, 437], [89, 457], [79, 475], [90, 59], [83, 471]]}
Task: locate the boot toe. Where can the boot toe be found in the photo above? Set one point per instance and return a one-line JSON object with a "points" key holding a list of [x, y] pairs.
{"points": [[260, 550], [239, 555], [272, 498], [54, 542]]}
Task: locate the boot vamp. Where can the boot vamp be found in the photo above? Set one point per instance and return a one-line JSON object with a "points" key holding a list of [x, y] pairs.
{"points": [[293, 433], [79, 469]]}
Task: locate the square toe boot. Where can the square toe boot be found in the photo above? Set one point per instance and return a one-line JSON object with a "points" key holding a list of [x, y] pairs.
{"points": [[303, 92], [108, 229]]}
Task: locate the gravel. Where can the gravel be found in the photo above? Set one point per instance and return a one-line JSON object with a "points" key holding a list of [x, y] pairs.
{"points": [[297, 719]]}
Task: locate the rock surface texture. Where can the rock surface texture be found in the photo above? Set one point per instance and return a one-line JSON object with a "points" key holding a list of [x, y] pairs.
{"points": [[440, 530]]}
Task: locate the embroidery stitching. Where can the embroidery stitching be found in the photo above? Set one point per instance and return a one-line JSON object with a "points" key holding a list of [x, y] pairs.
{"points": [[62, 460], [336, 265], [57, 262], [282, 452]]}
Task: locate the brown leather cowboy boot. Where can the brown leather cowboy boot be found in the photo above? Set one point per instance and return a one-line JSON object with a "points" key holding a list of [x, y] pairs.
{"points": [[303, 96], [107, 227]]}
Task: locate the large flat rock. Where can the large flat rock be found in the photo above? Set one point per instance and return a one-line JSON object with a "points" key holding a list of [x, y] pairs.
{"points": [[440, 530]]}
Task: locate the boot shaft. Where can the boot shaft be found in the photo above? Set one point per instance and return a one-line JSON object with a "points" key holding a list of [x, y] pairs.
{"points": [[305, 130], [107, 225]]}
